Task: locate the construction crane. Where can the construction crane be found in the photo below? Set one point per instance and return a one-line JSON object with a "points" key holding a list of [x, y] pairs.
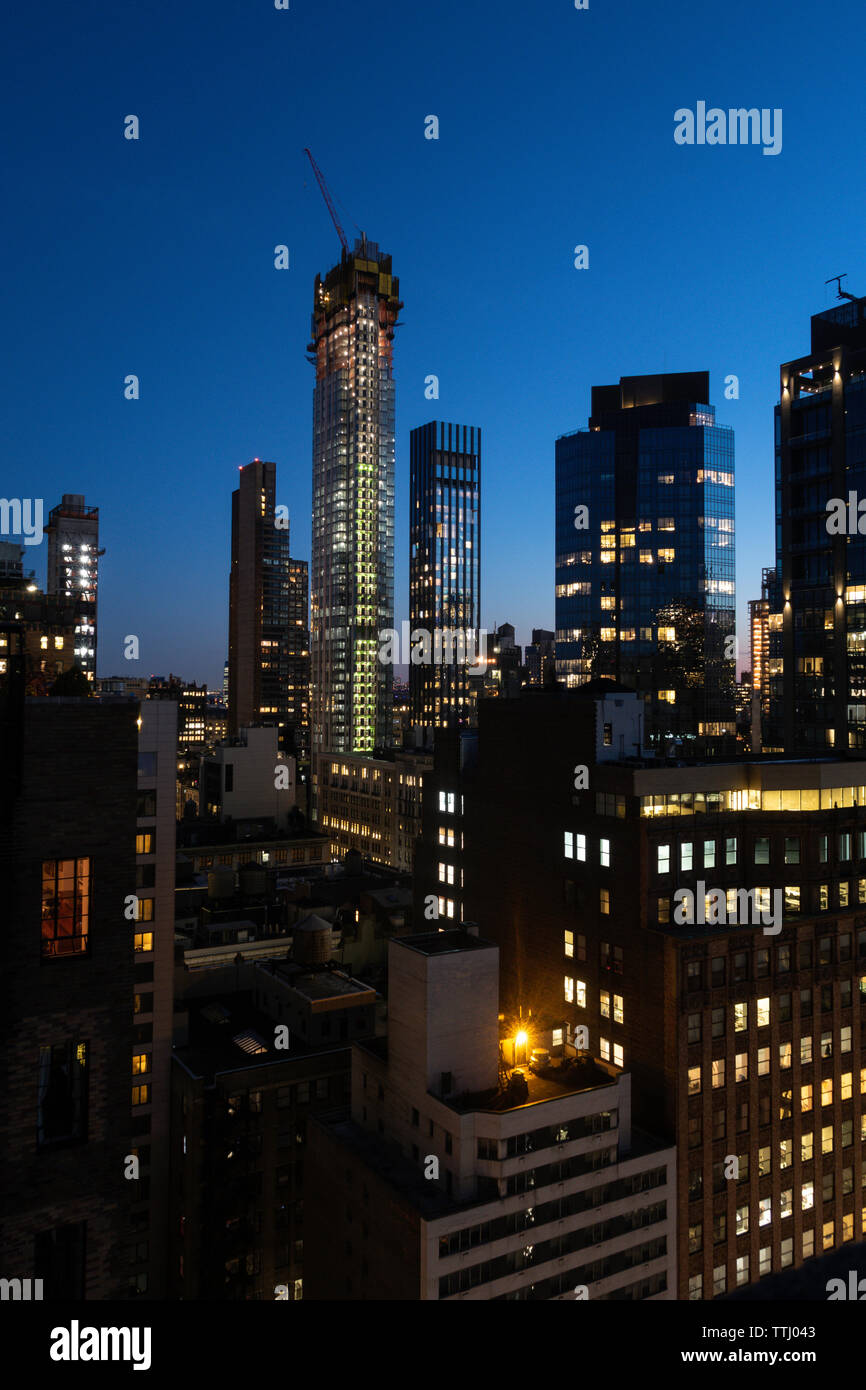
{"points": [[320, 180], [842, 294]]}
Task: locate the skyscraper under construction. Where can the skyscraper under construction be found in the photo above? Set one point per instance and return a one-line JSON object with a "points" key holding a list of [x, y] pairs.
{"points": [[352, 581]]}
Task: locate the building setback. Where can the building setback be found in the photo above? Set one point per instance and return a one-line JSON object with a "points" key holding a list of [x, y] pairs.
{"points": [[645, 556], [352, 579], [268, 625], [444, 567], [817, 663], [739, 1042], [456, 1177]]}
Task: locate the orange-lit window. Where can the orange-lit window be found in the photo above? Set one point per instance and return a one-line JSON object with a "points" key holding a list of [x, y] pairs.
{"points": [[65, 906], [143, 941]]}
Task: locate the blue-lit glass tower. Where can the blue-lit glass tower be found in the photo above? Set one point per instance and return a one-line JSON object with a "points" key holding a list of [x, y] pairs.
{"points": [[645, 581]]}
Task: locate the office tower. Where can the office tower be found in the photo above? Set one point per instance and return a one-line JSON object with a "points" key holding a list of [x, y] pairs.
{"points": [[444, 568], [352, 582], [457, 1176], [818, 673], [67, 856], [645, 556], [73, 565], [540, 657], [268, 637], [226, 683], [739, 1041], [191, 701], [372, 805]]}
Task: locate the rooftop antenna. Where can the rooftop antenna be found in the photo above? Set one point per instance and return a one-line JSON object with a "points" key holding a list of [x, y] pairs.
{"points": [[842, 294]]}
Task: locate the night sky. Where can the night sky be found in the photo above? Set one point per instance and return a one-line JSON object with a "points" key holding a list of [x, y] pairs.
{"points": [[156, 257]]}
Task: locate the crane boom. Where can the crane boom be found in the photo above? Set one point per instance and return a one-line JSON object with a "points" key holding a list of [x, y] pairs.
{"points": [[320, 179]]}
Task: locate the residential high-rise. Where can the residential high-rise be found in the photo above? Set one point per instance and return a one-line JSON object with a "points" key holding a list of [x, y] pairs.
{"points": [[645, 556], [352, 583], [73, 564], [444, 568], [818, 658], [268, 633]]}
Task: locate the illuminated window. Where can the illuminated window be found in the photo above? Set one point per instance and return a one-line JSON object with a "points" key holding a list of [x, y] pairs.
{"points": [[143, 941], [569, 943], [617, 1008], [65, 906], [145, 842], [604, 853], [763, 1013], [668, 697], [827, 1091], [741, 1066], [141, 1094], [718, 1072], [140, 1063], [806, 1147], [663, 859], [569, 990], [604, 901], [604, 1049], [618, 1055], [806, 1097], [580, 993]]}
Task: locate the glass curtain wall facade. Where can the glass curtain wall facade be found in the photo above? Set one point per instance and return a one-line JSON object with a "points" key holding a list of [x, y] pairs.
{"points": [[444, 567], [352, 597], [817, 663], [645, 556]]}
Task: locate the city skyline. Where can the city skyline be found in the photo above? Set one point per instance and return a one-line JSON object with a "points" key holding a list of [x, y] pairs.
{"points": [[182, 290]]}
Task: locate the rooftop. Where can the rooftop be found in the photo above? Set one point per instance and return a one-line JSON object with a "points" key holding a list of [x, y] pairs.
{"points": [[440, 943]]}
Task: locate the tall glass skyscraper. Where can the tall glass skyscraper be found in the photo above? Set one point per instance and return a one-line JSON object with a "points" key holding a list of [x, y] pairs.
{"points": [[444, 567], [817, 622], [352, 598], [645, 556], [269, 661]]}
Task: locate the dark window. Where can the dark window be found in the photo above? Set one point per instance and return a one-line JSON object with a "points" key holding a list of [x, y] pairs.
{"points": [[230, 776], [59, 1261], [62, 1105]]}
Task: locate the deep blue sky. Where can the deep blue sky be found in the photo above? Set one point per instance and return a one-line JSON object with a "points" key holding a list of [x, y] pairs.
{"points": [[156, 257]]}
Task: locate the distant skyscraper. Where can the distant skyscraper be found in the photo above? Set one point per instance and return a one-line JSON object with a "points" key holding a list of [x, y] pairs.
{"points": [[73, 560], [817, 660], [759, 637], [444, 566], [540, 656], [354, 313], [645, 555], [268, 636]]}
